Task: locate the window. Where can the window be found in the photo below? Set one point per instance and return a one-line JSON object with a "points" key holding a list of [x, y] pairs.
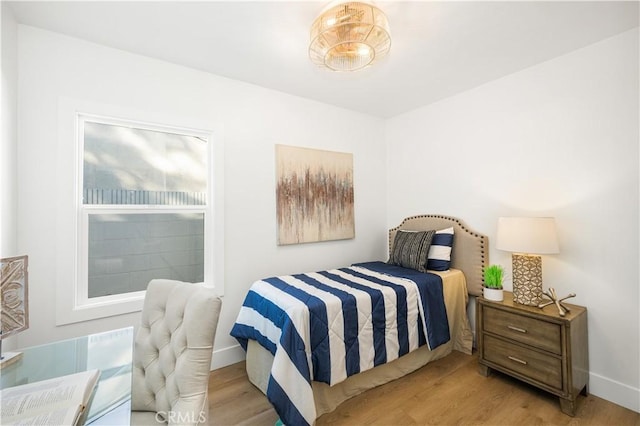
{"points": [[144, 207], [138, 201]]}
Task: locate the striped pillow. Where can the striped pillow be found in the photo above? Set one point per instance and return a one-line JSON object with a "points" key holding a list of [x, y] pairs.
{"points": [[439, 258], [410, 249]]}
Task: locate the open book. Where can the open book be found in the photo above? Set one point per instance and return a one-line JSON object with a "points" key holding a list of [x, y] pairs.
{"points": [[60, 401]]}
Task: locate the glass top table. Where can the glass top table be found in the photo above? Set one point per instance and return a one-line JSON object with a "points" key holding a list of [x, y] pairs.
{"points": [[110, 352]]}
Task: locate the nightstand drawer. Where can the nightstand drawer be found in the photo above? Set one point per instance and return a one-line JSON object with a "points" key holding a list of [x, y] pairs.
{"points": [[541, 334], [535, 365]]}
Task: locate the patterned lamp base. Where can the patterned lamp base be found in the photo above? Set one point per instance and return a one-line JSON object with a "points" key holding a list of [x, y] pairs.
{"points": [[527, 279]]}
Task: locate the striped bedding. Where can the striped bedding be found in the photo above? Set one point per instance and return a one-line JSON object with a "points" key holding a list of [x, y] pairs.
{"points": [[326, 326]]}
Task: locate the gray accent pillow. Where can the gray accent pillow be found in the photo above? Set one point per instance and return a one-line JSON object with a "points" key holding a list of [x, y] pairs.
{"points": [[410, 249]]}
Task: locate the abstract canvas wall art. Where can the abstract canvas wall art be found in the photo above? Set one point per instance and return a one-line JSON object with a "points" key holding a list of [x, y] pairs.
{"points": [[314, 195]]}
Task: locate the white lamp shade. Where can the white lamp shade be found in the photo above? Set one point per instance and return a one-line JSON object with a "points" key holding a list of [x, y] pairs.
{"points": [[535, 235]]}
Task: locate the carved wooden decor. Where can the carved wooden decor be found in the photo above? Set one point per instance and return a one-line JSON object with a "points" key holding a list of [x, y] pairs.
{"points": [[14, 295]]}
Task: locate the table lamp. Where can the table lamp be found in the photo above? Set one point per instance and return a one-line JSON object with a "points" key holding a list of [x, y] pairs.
{"points": [[527, 238], [14, 298]]}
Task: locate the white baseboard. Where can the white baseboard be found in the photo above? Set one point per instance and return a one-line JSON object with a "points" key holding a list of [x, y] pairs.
{"points": [[616, 392], [227, 356]]}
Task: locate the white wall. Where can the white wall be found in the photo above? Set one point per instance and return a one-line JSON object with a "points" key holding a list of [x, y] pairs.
{"points": [[8, 137], [557, 139], [253, 120]]}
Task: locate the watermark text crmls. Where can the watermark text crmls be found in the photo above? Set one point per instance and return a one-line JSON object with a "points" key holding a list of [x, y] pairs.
{"points": [[180, 417]]}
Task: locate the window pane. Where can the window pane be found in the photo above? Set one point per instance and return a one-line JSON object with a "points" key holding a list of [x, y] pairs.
{"points": [[125, 165], [126, 251]]}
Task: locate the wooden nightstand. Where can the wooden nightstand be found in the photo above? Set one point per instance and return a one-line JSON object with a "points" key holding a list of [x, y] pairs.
{"points": [[537, 346]]}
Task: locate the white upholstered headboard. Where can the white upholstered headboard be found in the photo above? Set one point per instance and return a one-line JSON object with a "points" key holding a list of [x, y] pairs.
{"points": [[470, 251]]}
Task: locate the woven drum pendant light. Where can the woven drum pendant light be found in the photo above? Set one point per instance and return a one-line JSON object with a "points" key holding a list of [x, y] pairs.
{"points": [[349, 36]]}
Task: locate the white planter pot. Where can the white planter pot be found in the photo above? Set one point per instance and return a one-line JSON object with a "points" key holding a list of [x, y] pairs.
{"points": [[493, 294]]}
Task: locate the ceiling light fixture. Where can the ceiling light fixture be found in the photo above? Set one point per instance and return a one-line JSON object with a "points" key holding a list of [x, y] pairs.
{"points": [[349, 36]]}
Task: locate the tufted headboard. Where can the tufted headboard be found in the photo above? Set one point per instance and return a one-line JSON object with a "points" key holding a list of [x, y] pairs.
{"points": [[470, 251]]}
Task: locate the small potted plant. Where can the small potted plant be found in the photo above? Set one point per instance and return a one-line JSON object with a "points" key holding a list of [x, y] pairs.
{"points": [[493, 276]]}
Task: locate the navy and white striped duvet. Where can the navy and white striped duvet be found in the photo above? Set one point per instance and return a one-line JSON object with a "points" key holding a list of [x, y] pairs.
{"points": [[328, 325]]}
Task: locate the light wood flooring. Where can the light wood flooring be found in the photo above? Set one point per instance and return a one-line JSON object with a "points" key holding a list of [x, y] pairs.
{"points": [[446, 392]]}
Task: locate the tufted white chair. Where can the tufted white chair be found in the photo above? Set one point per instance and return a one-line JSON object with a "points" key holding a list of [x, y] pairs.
{"points": [[172, 354]]}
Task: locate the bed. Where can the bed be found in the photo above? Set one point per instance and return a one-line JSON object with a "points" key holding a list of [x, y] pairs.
{"points": [[301, 355]]}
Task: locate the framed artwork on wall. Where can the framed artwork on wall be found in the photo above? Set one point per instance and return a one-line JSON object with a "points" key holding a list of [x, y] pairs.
{"points": [[314, 195]]}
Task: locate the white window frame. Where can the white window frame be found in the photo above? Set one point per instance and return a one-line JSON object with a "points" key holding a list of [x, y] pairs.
{"points": [[73, 303]]}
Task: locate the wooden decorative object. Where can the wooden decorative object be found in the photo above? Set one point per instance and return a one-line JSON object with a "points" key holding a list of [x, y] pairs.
{"points": [[14, 298]]}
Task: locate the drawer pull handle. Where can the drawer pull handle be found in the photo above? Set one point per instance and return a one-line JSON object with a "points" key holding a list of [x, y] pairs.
{"points": [[518, 329], [518, 360]]}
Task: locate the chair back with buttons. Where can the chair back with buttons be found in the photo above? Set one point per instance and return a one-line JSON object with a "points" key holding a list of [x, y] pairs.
{"points": [[173, 349]]}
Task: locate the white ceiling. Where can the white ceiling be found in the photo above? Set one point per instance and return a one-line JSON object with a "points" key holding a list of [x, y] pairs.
{"points": [[439, 48]]}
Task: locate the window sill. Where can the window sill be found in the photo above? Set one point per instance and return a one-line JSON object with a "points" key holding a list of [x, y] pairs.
{"points": [[100, 309]]}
